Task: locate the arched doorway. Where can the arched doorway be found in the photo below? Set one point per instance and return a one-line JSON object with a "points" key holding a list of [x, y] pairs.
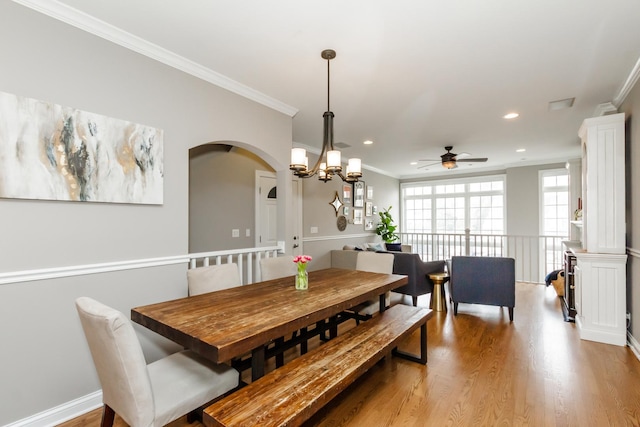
{"points": [[223, 202]]}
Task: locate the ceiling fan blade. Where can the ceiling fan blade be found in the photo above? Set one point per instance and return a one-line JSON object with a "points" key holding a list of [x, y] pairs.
{"points": [[479, 159], [430, 164], [429, 160]]}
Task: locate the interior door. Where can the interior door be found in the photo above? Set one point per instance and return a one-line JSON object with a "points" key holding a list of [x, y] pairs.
{"points": [[266, 209]]}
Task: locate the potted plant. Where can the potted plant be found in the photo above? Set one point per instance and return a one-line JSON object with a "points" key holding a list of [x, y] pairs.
{"points": [[387, 230]]}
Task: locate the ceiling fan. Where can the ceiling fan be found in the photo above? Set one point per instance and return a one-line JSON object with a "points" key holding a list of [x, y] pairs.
{"points": [[450, 159]]}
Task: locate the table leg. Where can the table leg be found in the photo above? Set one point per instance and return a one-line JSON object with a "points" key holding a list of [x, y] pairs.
{"points": [[303, 345], [383, 303], [280, 356], [333, 328], [257, 363]]}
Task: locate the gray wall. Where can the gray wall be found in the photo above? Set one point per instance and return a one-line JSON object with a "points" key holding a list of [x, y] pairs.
{"points": [[44, 358], [318, 213], [631, 107], [220, 182]]}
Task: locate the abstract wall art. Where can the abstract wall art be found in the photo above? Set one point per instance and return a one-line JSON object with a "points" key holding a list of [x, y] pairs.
{"points": [[51, 152]]}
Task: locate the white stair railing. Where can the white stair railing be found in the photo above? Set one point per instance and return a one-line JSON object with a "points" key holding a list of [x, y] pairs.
{"points": [[535, 256], [248, 260]]}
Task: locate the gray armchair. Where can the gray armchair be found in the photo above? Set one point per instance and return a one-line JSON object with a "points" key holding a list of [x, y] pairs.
{"points": [[418, 274], [483, 280]]}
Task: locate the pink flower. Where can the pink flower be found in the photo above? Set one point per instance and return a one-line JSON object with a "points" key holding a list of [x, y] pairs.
{"points": [[301, 259]]}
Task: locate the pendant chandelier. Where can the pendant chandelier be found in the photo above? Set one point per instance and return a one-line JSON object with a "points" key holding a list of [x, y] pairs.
{"points": [[329, 162]]}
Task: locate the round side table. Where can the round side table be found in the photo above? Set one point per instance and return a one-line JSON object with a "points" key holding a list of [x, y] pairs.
{"points": [[438, 301]]}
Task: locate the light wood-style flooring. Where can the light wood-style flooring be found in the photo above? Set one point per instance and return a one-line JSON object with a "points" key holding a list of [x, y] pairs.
{"points": [[485, 371]]}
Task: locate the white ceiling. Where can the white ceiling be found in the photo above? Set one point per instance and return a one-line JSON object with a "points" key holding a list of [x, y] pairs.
{"points": [[412, 76]]}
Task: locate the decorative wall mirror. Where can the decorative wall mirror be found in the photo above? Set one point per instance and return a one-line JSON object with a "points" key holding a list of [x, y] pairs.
{"points": [[336, 203]]}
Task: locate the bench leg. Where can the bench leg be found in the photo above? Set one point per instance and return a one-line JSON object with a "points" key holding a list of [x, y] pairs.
{"points": [[383, 303], [423, 348]]}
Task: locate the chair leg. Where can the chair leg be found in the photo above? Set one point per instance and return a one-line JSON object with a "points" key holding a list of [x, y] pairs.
{"points": [[108, 415], [194, 416], [510, 314], [415, 300], [455, 308]]}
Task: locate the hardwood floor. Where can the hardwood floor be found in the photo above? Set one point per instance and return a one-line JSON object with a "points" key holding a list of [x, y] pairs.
{"points": [[484, 371]]}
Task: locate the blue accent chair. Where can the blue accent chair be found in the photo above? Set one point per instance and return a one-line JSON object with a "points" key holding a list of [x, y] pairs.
{"points": [[483, 280]]}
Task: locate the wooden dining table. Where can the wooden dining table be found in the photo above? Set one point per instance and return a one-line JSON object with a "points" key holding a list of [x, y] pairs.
{"points": [[230, 323]]}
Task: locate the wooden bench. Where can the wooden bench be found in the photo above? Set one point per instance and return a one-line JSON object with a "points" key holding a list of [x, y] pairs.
{"points": [[293, 393]]}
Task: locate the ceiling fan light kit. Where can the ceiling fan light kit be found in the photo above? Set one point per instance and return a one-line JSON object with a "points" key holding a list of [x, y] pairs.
{"points": [[329, 162]]}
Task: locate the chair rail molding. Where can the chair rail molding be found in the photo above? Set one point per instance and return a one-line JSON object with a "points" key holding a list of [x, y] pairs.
{"points": [[79, 270]]}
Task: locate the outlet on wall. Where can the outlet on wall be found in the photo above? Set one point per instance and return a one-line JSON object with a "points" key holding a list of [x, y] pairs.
{"points": [[235, 232]]}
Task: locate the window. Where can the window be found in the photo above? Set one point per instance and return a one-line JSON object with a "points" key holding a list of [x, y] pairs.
{"points": [[453, 206], [554, 216], [437, 214], [554, 203]]}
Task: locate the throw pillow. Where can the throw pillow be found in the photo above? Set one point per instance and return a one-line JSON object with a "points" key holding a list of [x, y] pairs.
{"points": [[394, 247], [375, 247]]}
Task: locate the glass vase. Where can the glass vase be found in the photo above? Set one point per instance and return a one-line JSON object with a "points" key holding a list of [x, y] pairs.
{"points": [[302, 280]]}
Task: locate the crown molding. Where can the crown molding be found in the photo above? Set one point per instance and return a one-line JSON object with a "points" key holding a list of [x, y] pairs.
{"points": [[628, 85], [97, 27], [605, 109]]}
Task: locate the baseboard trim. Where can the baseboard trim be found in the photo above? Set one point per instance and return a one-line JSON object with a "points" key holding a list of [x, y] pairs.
{"points": [[634, 345], [62, 413]]}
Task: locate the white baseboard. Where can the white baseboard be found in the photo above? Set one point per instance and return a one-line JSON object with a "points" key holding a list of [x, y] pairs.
{"points": [[62, 413], [634, 345]]}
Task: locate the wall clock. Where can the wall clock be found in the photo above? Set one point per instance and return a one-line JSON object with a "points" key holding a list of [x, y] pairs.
{"points": [[342, 223]]}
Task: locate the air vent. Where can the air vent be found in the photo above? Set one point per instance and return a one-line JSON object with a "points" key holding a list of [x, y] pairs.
{"points": [[561, 104], [341, 145]]}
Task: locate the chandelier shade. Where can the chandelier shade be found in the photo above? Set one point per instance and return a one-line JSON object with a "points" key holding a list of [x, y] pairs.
{"points": [[329, 162]]}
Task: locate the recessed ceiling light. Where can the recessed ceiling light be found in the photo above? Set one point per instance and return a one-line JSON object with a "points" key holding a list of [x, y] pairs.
{"points": [[521, 150], [510, 116], [368, 142], [413, 163]]}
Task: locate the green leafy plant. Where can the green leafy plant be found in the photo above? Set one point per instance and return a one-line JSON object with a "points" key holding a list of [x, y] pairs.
{"points": [[385, 228]]}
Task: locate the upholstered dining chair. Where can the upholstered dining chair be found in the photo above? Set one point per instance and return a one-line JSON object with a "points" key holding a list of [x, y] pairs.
{"points": [[274, 268], [213, 278], [376, 263], [146, 395]]}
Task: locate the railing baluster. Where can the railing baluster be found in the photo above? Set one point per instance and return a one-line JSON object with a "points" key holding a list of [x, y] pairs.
{"points": [[534, 255]]}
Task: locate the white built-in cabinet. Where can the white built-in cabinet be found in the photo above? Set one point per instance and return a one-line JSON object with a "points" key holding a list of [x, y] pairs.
{"points": [[600, 273]]}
